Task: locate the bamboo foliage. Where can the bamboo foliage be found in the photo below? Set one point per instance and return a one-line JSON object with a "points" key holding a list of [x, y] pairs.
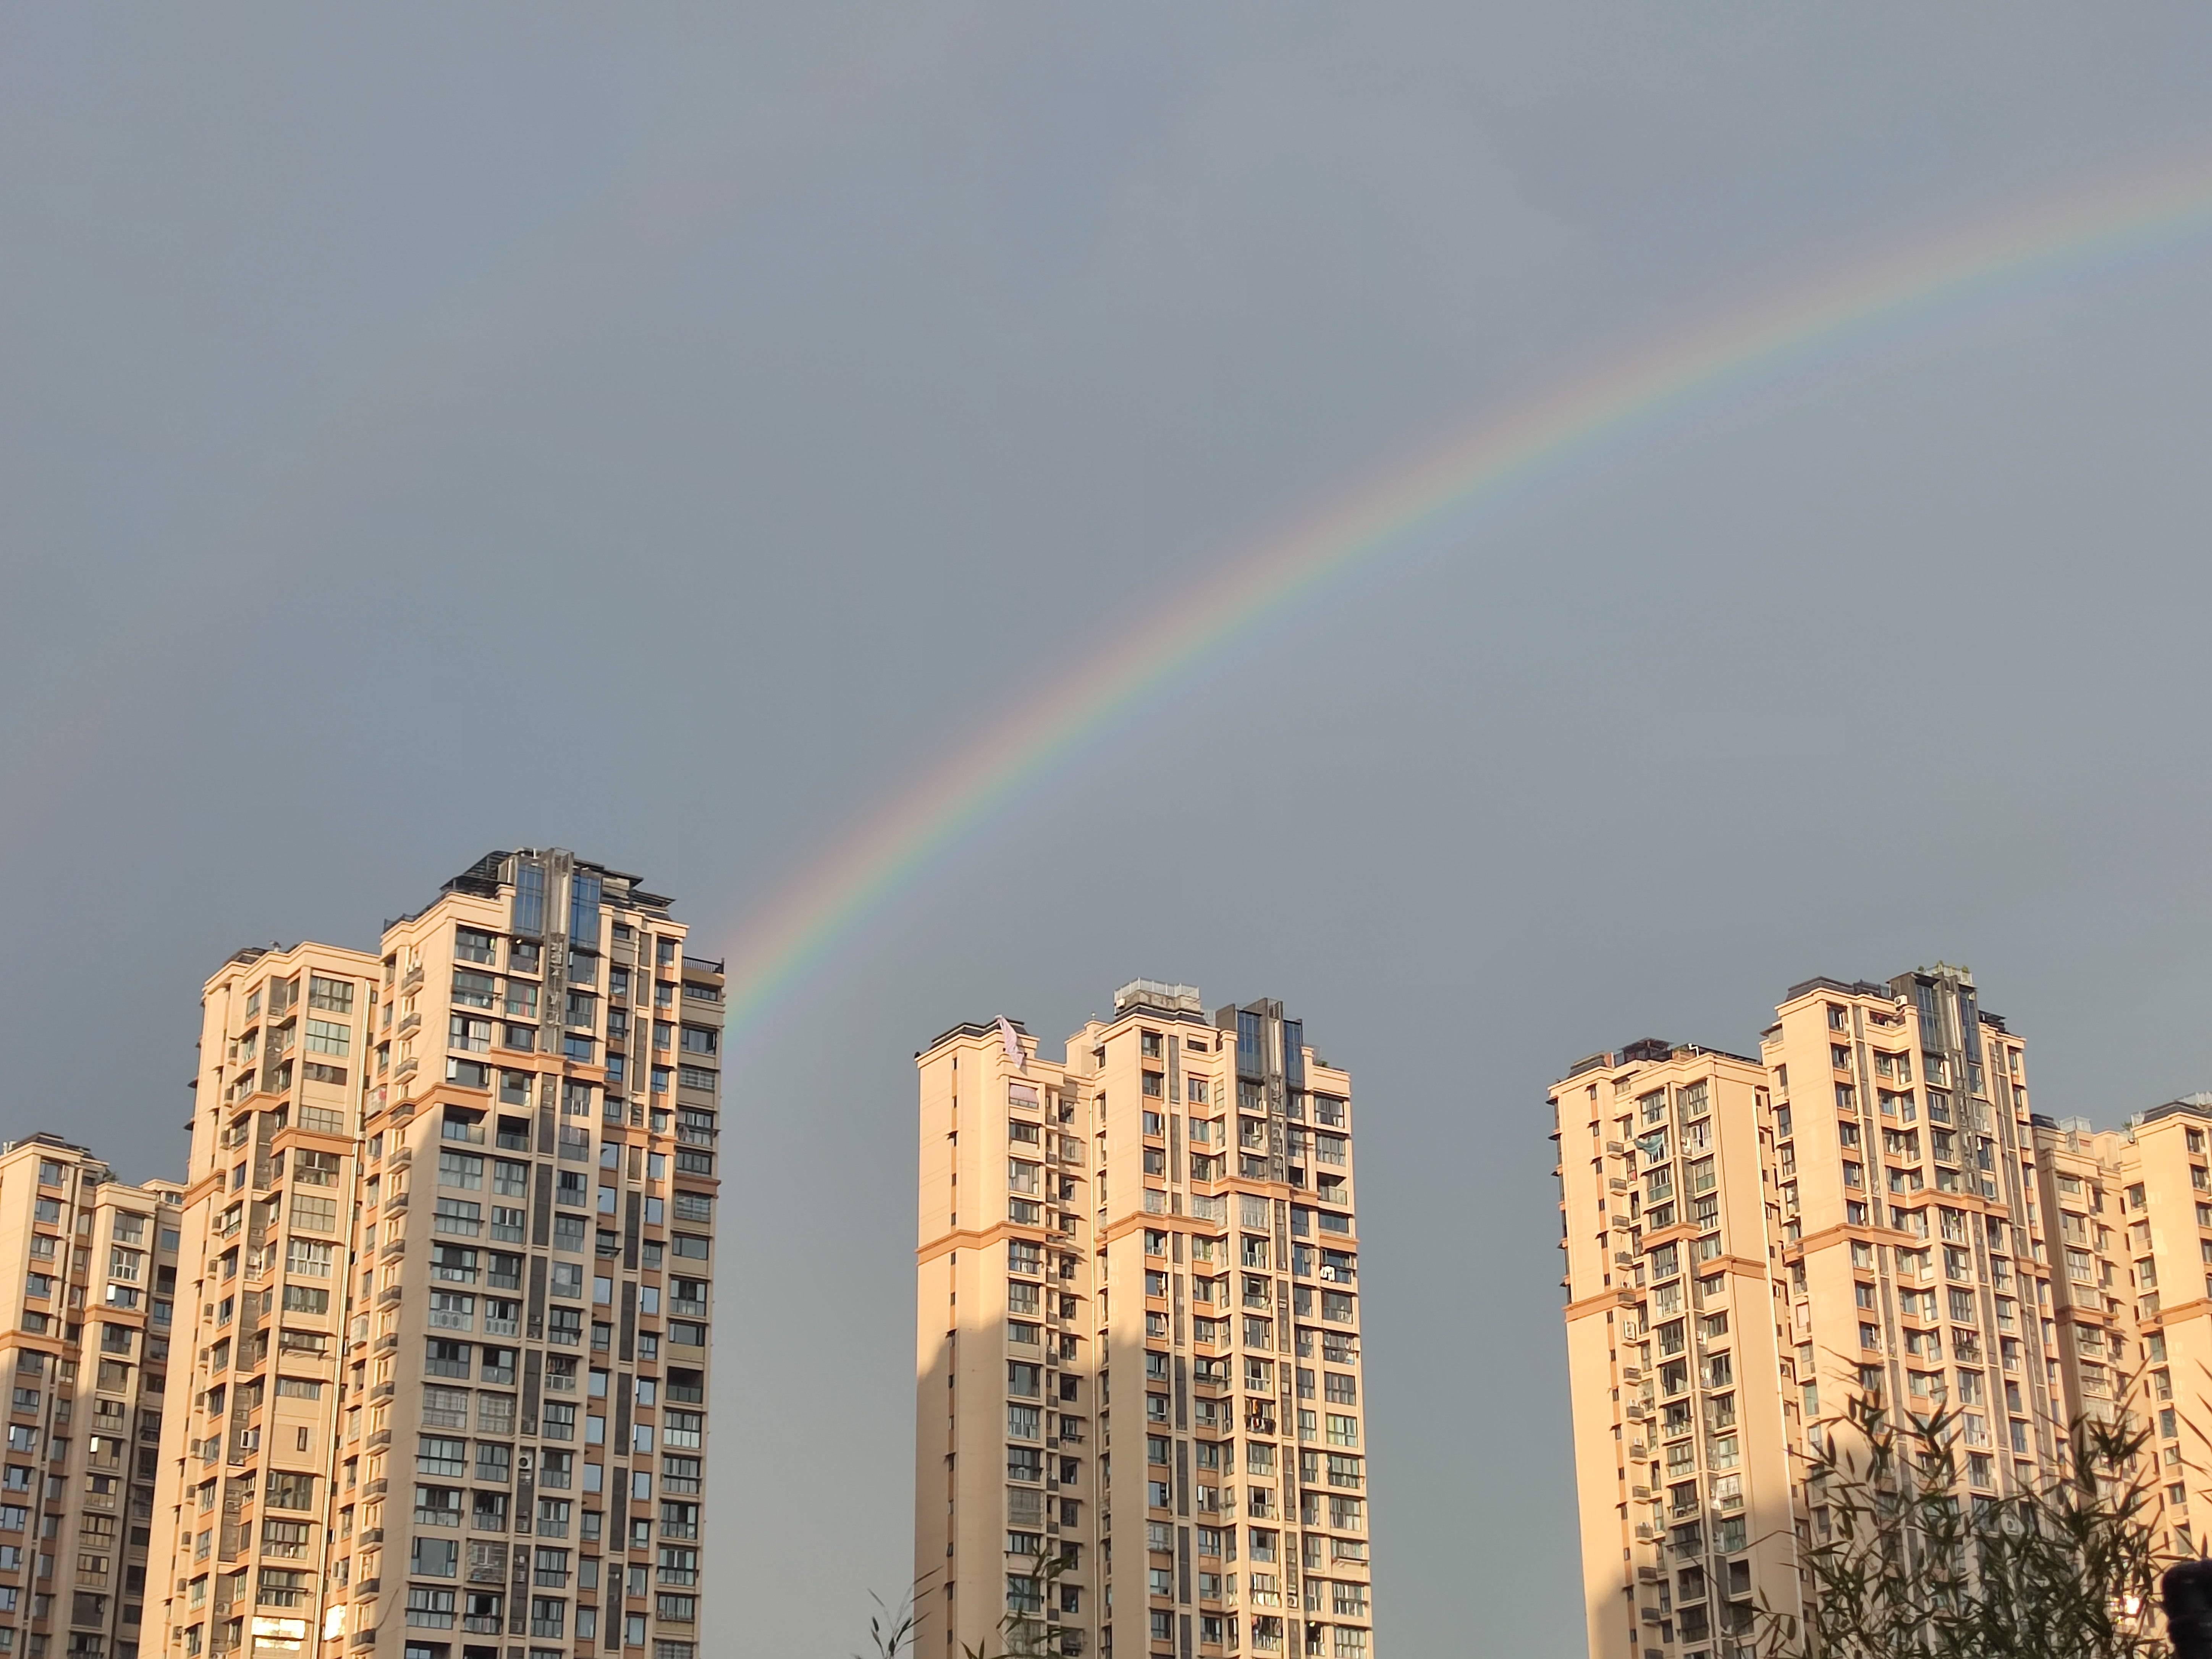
{"points": [[1910, 1570], [1020, 1633]]}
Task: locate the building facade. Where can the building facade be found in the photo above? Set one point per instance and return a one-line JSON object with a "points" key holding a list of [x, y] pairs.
{"points": [[87, 1269], [1154, 1235], [446, 1245], [1750, 1242], [2132, 1277]]}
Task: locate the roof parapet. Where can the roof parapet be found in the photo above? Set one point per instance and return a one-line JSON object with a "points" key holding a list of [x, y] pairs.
{"points": [[1158, 993]]}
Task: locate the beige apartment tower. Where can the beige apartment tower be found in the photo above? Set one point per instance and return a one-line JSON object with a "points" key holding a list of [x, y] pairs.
{"points": [[1750, 1241], [1138, 1340], [2131, 1270], [88, 1275], [446, 1257]]}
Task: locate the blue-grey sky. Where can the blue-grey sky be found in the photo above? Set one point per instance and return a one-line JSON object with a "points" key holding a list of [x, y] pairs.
{"points": [[664, 431]]}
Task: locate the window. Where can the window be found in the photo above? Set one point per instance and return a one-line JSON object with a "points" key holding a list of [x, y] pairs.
{"points": [[315, 1215], [333, 994], [694, 1207], [437, 1454], [289, 1491], [445, 1409], [308, 1259]]}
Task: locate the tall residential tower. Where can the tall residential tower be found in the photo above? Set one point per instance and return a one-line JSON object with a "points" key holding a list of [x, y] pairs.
{"points": [[446, 1263], [87, 1277], [1138, 1331], [1751, 1242], [2131, 1269]]}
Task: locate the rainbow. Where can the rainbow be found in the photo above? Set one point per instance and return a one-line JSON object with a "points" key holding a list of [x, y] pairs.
{"points": [[1957, 268]]}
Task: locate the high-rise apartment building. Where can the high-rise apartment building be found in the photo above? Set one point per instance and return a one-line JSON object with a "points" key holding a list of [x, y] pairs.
{"points": [[1138, 1333], [1749, 1244], [2131, 1268], [446, 1262], [88, 1279]]}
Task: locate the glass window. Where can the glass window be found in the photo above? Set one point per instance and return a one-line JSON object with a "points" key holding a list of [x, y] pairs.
{"points": [[529, 914], [584, 909], [335, 994]]}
